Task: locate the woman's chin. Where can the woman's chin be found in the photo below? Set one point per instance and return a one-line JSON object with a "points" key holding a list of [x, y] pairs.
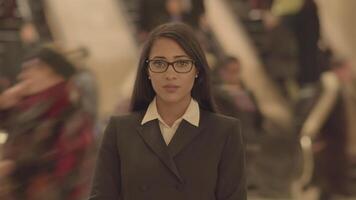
{"points": [[172, 99]]}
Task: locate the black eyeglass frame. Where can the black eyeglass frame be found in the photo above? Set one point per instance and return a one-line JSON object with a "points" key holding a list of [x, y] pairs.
{"points": [[170, 63]]}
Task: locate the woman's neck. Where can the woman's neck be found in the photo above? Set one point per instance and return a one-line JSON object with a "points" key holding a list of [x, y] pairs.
{"points": [[170, 112]]}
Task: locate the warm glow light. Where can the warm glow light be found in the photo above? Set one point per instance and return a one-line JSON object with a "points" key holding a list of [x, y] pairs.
{"points": [[3, 137]]}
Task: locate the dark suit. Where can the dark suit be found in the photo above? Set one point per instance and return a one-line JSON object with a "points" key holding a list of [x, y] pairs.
{"points": [[200, 163]]}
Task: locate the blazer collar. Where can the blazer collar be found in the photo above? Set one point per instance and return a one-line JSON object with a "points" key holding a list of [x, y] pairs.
{"points": [[192, 113], [185, 134], [152, 136]]}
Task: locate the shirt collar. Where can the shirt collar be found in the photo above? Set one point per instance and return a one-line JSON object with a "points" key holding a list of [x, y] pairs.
{"points": [[191, 115]]}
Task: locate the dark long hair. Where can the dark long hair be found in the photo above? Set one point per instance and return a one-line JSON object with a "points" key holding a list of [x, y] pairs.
{"points": [[143, 92]]}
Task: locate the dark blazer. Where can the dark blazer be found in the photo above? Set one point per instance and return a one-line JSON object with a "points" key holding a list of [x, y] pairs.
{"points": [[200, 163]]}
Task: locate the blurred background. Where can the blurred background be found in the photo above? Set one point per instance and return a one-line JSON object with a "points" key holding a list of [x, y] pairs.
{"points": [[286, 68]]}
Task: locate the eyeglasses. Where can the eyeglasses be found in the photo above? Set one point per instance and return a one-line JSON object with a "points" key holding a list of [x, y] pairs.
{"points": [[180, 66]]}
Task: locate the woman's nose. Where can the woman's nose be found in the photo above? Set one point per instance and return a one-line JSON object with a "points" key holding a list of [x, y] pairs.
{"points": [[170, 73]]}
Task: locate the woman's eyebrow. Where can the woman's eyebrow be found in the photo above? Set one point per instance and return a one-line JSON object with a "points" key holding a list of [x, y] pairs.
{"points": [[181, 56], [159, 57], [175, 57]]}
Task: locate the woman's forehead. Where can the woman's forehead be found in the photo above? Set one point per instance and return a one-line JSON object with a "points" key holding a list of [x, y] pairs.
{"points": [[166, 47]]}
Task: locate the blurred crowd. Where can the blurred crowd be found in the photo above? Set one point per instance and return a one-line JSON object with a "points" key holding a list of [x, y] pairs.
{"points": [[48, 99], [48, 109]]}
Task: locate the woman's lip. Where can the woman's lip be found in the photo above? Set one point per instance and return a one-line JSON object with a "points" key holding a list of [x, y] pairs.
{"points": [[171, 88]]}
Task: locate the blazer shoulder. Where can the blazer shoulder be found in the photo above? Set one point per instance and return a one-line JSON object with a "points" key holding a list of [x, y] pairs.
{"points": [[222, 125], [217, 118], [129, 119]]}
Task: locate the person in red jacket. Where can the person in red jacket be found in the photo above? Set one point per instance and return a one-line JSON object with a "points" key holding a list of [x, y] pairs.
{"points": [[49, 136]]}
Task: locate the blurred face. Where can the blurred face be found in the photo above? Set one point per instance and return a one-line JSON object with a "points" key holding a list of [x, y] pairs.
{"points": [[36, 75], [170, 85], [344, 72], [230, 73], [174, 7]]}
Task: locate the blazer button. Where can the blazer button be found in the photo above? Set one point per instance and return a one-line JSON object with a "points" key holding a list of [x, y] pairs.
{"points": [[144, 188]]}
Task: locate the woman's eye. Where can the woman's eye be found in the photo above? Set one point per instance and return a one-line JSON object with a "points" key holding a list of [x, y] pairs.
{"points": [[183, 63], [159, 63]]}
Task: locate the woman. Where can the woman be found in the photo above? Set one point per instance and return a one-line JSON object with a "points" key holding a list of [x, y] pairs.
{"points": [[173, 145]]}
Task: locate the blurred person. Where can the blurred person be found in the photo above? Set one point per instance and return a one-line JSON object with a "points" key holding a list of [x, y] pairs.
{"points": [[196, 11], [85, 82], [229, 73], [281, 54], [281, 60], [49, 136], [29, 35], [173, 146], [157, 12], [154, 13], [10, 42], [175, 10], [151, 14], [276, 44], [307, 31], [233, 99], [270, 150], [187, 11], [34, 16], [330, 126], [280, 11], [300, 17]]}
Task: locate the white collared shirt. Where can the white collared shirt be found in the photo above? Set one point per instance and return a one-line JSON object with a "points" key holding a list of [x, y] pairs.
{"points": [[191, 115]]}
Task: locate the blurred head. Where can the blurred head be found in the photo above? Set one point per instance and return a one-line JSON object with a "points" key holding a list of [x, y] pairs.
{"points": [[229, 71], [43, 68], [342, 68], [172, 67], [54, 60], [174, 7], [28, 33]]}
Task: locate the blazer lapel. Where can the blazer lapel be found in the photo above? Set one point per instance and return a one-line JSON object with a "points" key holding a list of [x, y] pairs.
{"points": [[151, 134], [185, 133]]}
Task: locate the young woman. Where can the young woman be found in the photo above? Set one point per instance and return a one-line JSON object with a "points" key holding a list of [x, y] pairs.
{"points": [[173, 146]]}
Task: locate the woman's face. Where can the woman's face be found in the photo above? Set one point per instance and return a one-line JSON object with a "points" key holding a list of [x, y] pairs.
{"points": [[171, 86]]}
